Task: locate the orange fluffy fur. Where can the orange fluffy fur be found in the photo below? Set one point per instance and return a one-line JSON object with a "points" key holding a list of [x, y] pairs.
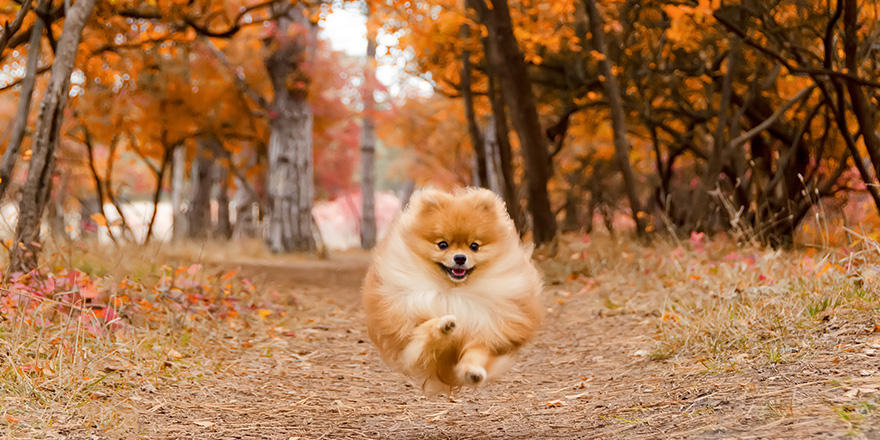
{"points": [[439, 327]]}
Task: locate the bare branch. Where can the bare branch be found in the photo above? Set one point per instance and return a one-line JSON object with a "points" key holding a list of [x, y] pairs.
{"points": [[773, 118], [10, 29], [239, 81]]}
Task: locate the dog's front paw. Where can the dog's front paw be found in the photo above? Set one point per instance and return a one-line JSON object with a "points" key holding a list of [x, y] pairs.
{"points": [[472, 375], [446, 324]]}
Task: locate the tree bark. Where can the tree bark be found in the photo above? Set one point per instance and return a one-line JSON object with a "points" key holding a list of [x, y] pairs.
{"points": [[368, 143], [223, 229], [178, 180], [99, 183], [516, 88], [157, 193], [493, 163], [618, 114], [477, 142], [111, 194], [505, 154], [37, 187], [10, 156], [198, 214], [862, 108], [291, 175]]}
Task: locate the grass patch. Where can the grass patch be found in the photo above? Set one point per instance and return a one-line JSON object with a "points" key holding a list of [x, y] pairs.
{"points": [[722, 303], [97, 321]]}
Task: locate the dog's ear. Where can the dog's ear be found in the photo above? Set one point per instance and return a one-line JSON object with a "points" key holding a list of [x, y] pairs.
{"points": [[427, 200], [487, 201]]}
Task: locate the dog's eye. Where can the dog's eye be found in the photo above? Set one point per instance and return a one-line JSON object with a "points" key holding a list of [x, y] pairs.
{"points": [[474, 246], [443, 245]]}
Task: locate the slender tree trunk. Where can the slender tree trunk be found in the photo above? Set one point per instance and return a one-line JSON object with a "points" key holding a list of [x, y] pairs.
{"points": [[516, 88], [10, 156], [368, 143], [47, 133], [99, 184], [493, 163], [178, 180], [864, 111], [477, 143], [291, 183], [221, 179], [111, 194], [505, 153], [618, 114], [157, 193], [198, 214]]}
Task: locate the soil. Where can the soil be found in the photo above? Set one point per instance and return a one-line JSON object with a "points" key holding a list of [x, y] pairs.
{"points": [[587, 375]]}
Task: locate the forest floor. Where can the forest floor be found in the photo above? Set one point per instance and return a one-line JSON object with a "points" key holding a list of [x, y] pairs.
{"points": [[684, 340]]}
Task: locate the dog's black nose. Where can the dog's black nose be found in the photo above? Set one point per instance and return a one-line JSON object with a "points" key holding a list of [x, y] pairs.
{"points": [[460, 259]]}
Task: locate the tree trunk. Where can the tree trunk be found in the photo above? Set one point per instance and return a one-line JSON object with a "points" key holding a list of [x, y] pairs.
{"points": [[111, 194], [291, 182], [10, 156], [99, 183], [505, 153], [178, 180], [516, 89], [46, 137], [223, 230], [247, 202], [861, 106], [493, 161], [618, 115], [198, 214], [157, 192], [477, 143], [368, 143]]}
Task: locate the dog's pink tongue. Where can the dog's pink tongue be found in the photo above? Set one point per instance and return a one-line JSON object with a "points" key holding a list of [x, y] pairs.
{"points": [[459, 272]]}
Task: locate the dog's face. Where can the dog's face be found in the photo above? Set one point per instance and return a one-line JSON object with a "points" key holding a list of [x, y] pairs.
{"points": [[458, 234]]}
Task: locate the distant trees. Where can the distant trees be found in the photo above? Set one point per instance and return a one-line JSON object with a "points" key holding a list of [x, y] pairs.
{"points": [[692, 116], [174, 86], [47, 134], [719, 116]]}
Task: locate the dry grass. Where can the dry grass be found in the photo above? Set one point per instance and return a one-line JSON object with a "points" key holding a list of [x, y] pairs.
{"points": [[721, 301], [677, 340], [154, 320]]}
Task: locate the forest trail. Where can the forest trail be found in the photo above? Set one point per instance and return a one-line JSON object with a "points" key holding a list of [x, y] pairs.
{"points": [[586, 376]]}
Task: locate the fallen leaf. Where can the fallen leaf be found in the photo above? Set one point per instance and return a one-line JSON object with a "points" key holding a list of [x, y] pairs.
{"points": [[10, 419], [89, 291], [99, 219], [229, 274], [555, 404]]}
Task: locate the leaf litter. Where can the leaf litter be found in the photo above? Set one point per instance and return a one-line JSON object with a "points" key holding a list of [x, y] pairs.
{"points": [[730, 342]]}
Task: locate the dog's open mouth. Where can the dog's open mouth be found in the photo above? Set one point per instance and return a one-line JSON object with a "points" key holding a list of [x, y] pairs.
{"points": [[457, 273]]}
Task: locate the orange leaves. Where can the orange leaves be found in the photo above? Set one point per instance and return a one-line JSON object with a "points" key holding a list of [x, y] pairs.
{"points": [[688, 22]]}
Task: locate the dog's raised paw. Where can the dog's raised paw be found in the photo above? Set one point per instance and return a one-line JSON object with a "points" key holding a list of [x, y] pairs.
{"points": [[446, 324]]}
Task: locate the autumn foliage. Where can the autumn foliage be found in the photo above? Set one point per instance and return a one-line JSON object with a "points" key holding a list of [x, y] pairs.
{"points": [[694, 116]]}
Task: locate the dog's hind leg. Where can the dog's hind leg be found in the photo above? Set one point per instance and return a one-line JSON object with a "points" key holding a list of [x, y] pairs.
{"points": [[428, 339], [471, 367]]}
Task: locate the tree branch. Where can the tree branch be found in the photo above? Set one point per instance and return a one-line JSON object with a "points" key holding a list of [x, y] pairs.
{"points": [[773, 118], [10, 29]]}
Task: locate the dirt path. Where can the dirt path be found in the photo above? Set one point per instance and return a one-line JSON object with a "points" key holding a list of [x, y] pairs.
{"points": [[318, 377]]}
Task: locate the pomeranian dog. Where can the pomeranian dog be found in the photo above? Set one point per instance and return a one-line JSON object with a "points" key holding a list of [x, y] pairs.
{"points": [[451, 294]]}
